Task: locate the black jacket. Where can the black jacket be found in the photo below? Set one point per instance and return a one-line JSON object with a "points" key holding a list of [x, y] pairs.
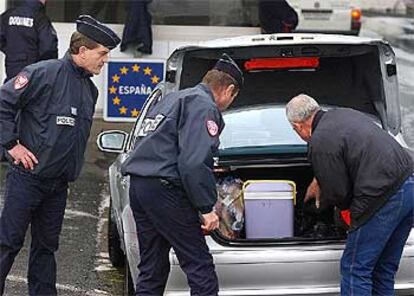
{"points": [[277, 16], [358, 165], [177, 142], [26, 36], [56, 100]]}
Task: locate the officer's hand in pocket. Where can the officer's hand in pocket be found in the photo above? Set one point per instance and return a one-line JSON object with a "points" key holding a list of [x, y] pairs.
{"points": [[210, 221], [21, 154]]}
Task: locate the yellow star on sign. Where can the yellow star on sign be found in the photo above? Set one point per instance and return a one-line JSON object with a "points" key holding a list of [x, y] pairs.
{"points": [[123, 110], [112, 90], [135, 68], [124, 70], [116, 100], [115, 78], [155, 79], [134, 112], [147, 71]]}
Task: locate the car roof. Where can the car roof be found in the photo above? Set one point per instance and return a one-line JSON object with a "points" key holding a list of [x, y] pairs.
{"points": [[280, 39]]}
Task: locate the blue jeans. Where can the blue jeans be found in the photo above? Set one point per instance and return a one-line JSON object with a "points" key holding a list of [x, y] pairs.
{"points": [[373, 251], [41, 203]]}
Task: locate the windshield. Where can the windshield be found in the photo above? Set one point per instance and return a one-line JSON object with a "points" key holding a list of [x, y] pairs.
{"points": [[258, 126]]}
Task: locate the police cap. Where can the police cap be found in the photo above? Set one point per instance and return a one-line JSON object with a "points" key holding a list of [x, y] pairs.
{"points": [[97, 31], [227, 65]]}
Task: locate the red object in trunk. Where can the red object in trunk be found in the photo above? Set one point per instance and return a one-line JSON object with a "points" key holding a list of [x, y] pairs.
{"points": [[346, 216]]}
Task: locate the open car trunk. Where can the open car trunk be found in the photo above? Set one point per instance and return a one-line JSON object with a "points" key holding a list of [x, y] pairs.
{"points": [[347, 72], [309, 222], [344, 75], [337, 75]]}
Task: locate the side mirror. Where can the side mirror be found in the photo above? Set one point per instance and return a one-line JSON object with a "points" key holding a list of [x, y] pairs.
{"points": [[113, 141]]}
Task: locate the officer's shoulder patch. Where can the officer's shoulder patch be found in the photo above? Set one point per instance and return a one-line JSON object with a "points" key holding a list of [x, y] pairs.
{"points": [[212, 128], [20, 81]]}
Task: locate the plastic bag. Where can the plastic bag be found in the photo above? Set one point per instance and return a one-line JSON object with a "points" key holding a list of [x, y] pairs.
{"points": [[230, 207]]}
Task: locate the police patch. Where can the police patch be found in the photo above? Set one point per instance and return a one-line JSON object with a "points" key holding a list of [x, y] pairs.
{"points": [[212, 128], [65, 120], [20, 81], [150, 125], [20, 21]]}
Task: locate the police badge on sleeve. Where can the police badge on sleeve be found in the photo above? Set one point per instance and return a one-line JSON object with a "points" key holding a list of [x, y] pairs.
{"points": [[212, 128], [20, 81]]}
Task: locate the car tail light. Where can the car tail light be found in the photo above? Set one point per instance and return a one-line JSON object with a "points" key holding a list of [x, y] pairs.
{"points": [[281, 63], [356, 19], [356, 14]]}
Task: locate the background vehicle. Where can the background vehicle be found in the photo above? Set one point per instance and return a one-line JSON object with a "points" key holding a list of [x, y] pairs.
{"points": [[258, 143], [334, 16]]}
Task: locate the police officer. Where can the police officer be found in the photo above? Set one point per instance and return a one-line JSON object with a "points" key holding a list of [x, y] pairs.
{"points": [[27, 36], [45, 147], [172, 188]]}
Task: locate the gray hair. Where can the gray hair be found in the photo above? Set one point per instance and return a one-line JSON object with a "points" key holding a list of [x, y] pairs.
{"points": [[300, 108]]}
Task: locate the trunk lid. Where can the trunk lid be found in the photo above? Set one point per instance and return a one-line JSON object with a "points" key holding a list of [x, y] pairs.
{"points": [[352, 72]]}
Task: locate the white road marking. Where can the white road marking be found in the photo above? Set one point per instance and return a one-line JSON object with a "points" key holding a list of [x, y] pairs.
{"points": [[72, 213], [19, 279], [102, 262], [61, 287], [97, 292], [101, 219]]}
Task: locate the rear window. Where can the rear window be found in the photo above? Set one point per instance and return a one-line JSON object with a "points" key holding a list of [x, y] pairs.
{"points": [[258, 127], [346, 75]]}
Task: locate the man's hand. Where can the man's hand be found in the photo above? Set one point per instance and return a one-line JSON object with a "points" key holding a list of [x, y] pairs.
{"points": [[313, 192], [21, 154], [210, 221]]}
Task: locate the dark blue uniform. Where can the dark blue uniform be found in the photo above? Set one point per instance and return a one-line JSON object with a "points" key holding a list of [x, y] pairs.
{"points": [[26, 36], [57, 101], [172, 180], [137, 30]]}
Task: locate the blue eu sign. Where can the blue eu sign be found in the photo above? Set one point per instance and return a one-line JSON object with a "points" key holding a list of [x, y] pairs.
{"points": [[128, 85]]}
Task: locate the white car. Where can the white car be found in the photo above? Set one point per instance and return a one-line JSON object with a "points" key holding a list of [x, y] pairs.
{"points": [[327, 16], [259, 144]]}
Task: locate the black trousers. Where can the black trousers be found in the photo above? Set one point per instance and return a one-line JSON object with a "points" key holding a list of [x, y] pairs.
{"points": [[164, 219], [41, 203]]}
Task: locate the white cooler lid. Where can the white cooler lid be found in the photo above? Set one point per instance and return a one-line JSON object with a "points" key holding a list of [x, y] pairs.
{"points": [[269, 185], [268, 195]]}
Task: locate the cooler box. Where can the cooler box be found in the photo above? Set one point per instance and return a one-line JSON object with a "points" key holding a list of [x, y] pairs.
{"points": [[269, 208]]}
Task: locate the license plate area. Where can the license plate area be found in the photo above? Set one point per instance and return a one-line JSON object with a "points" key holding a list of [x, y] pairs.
{"points": [[313, 14]]}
